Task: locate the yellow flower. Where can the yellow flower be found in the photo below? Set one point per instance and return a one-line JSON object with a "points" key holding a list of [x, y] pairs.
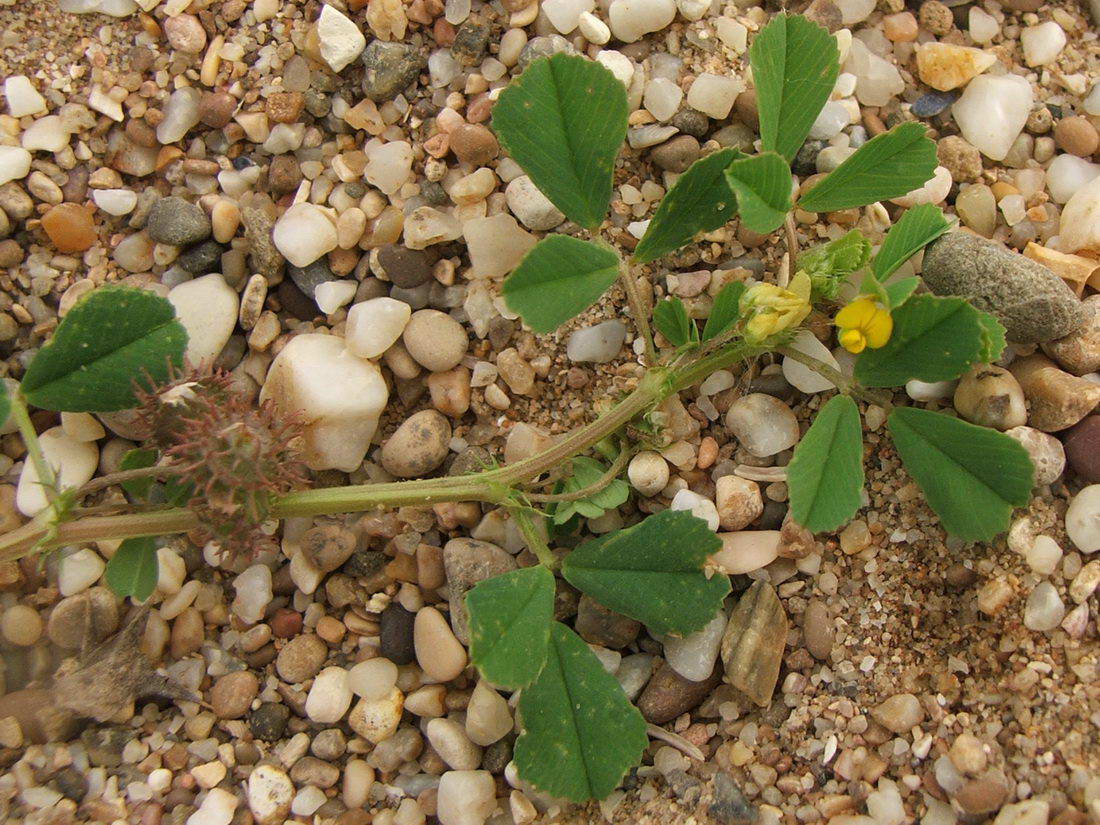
{"points": [[865, 322], [771, 309]]}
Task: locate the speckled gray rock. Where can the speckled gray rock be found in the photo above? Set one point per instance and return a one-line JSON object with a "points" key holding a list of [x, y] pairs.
{"points": [[1033, 303], [467, 562], [390, 67], [177, 222]]}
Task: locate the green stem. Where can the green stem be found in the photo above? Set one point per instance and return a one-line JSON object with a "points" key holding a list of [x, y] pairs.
{"points": [[639, 309], [846, 385], [610, 475], [533, 537], [42, 468]]}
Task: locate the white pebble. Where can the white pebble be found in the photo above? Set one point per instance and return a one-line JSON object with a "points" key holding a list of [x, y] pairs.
{"points": [[374, 326], [1043, 555], [1068, 174], [15, 163], [78, 571], [662, 98], [699, 506], [465, 797], [115, 201], [329, 697], [593, 28], [331, 295], [564, 15], [303, 234], [1044, 609], [802, 377], [47, 134], [254, 593], [693, 656], [389, 166], [341, 41], [992, 112], [23, 99], [1083, 519], [208, 308], [648, 473], [1043, 43], [74, 463], [631, 19], [597, 344], [746, 551], [217, 808], [373, 679]]}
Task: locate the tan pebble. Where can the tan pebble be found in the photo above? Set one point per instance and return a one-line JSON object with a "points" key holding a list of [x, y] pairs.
{"points": [[225, 218], [21, 625], [439, 654], [70, 227]]}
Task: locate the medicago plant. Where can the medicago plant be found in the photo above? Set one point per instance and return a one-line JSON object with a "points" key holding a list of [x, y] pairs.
{"points": [[211, 464]]}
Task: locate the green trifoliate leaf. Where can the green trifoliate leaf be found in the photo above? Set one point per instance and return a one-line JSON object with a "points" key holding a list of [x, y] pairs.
{"points": [[830, 263], [888, 166], [699, 201], [672, 321], [137, 460], [971, 476], [795, 64], [825, 476], [993, 338], [559, 279], [586, 473], [580, 733], [900, 291], [917, 228], [563, 121], [653, 572], [726, 310], [762, 184], [510, 618], [133, 569], [934, 339], [111, 340]]}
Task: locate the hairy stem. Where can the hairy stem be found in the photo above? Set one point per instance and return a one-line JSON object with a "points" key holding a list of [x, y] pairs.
{"points": [[639, 310], [609, 476], [123, 476], [533, 537], [42, 468]]}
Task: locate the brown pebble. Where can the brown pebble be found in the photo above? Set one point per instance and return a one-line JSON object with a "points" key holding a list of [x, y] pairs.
{"points": [[216, 109], [286, 624], [817, 630], [301, 658], [70, 227], [233, 693], [11, 253], [285, 107], [474, 144], [284, 174], [1076, 136], [185, 33]]}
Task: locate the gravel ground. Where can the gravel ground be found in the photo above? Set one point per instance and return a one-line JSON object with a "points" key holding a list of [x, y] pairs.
{"points": [[922, 679]]}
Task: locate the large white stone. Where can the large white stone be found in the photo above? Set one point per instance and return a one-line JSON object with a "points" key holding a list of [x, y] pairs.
{"points": [[47, 134], [496, 245], [23, 98], [338, 396], [802, 377], [465, 797], [1067, 174], [73, 464], [631, 19], [714, 95], [992, 112], [341, 40], [878, 81], [374, 326], [304, 233], [207, 307]]}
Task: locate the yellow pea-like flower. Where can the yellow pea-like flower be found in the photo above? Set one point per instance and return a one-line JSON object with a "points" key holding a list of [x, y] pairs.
{"points": [[770, 309], [865, 322]]}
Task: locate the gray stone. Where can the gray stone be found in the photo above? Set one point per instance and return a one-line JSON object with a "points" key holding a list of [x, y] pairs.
{"points": [[1033, 303], [467, 562], [177, 222], [202, 258], [730, 806], [395, 634], [308, 278], [390, 67]]}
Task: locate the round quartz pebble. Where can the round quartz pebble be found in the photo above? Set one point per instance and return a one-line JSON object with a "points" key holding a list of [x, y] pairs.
{"points": [[47, 134], [373, 679], [331, 295], [1083, 519], [597, 344], [374, 326], [699, 506], [648, 473], [23, 99], [465, 797], [1043, 43], [693, 656], [115, 201], [713, 94], [662, 98], [254, 593], [992, 112], [15, 163], [747, 550], [763, 424], [1044, 609], [329, 697], [1044, 555], [303, 234], [1067, 174]]}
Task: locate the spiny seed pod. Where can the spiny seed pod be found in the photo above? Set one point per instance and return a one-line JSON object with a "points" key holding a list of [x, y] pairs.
{"points": [[236, 456]]}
